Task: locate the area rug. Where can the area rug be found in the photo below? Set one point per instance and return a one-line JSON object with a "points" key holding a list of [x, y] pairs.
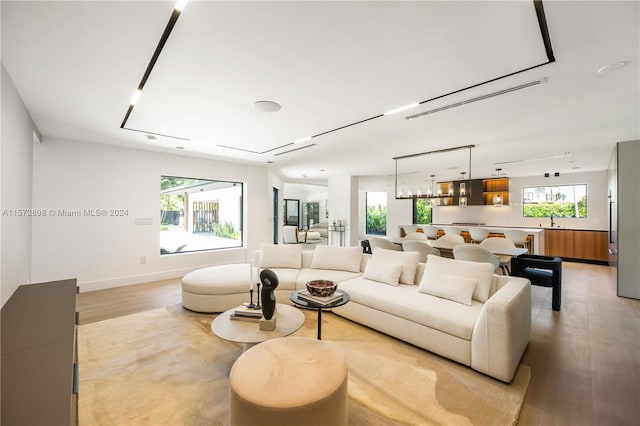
{"points": [[166, 367]]}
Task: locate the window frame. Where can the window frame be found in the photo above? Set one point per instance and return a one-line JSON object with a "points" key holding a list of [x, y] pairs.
{"points": [[549, 206], [227, 227], [366, 212]]}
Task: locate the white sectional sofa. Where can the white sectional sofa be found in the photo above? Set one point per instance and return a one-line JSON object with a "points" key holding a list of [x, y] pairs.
{"points": [[457, 309]]}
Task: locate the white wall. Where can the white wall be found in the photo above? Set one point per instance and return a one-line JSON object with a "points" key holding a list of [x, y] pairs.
{"points": [[343, 196], [16, 154], [106, 251], [399, 212], [628, 234]]}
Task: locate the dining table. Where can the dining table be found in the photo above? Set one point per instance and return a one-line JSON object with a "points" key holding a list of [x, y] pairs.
{"points": [[503, 251]]}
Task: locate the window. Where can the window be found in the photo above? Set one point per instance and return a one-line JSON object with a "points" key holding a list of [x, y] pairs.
{"points": [[199, 214], [559, 201], [376, 214], [422, 211]]}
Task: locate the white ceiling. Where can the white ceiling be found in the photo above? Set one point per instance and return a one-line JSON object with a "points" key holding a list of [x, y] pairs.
{"points": [[331, 64]]}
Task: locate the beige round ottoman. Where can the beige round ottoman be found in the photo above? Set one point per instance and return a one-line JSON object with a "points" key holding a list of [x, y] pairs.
{"points": [[216, 288], [289, 381]]}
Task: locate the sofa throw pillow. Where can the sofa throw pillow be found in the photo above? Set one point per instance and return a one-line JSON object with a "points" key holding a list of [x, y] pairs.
{"points": [[337, 258], [450, 287], [281, 256], [408, 260], [481, 272], [383, 272]]}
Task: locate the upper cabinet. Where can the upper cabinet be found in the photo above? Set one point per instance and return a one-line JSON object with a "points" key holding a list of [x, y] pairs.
{"points": [[449, 192], [495, 191]]}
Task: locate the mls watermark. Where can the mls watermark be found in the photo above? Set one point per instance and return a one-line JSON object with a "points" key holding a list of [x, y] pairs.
{"points": [[65, 212]]}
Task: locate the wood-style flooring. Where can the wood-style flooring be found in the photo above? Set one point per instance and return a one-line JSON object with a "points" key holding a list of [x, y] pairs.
{"points": [[585, 359]]}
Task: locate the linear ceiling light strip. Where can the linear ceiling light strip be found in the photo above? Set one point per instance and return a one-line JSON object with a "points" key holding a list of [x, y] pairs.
{"points": [[175, 14], [157, 134], [476, 99], [295, 149]]}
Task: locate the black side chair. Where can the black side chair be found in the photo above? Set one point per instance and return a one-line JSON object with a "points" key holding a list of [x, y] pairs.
{"points": [[541, 270]]}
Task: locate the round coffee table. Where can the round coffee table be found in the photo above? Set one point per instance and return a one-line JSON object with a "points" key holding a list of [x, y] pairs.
{"points": [[309, 304], [288, 320]]}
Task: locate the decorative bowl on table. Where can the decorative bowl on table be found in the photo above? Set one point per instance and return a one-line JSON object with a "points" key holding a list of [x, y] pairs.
{"points": [[321, 288]]}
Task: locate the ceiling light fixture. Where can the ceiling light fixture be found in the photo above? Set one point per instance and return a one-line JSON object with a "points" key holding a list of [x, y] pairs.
{"points": [[306, 138], [136, 97], [406, 107], [180, 4], [400, 193], [613, 67], [267, 106], [479, 98]]}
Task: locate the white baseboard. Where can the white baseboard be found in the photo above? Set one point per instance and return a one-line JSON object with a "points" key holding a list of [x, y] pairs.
{"points": [[132, 279]]}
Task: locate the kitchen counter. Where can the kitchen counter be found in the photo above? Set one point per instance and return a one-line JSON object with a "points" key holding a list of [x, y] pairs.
{"points": [[537, 234]]}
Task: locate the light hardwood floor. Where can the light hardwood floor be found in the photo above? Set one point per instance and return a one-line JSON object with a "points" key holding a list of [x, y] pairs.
{"points": [[585, 359]]}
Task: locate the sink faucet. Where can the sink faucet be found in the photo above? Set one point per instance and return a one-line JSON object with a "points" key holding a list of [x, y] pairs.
{"points": [[552, 220]]}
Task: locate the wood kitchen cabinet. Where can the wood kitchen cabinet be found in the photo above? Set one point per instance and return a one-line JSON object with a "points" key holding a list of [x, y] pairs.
{"points": [[495, 187], [576, 244]]}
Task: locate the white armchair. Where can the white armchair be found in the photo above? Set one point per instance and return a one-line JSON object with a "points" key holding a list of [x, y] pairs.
{"points": [[292, 235]]}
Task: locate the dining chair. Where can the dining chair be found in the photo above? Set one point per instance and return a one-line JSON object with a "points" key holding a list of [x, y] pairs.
{"points": [[420, 246], [475, 253], [505, 260], [453, 240], [518, 237], [375, 242]]}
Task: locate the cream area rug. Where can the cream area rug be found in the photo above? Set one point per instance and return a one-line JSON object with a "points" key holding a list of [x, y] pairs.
{"points": [[166, 367]]}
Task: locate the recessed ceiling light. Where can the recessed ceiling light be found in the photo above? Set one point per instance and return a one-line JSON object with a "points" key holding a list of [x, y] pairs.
{"points": [[269, 162], [612, 67], [267, 106], [306, 138]]}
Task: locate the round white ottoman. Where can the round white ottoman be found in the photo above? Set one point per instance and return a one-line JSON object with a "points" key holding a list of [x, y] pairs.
{"points": [[216, 288], [289, 381]]}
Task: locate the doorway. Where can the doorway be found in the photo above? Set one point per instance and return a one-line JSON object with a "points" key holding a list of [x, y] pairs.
{"points": [[275, 215]]}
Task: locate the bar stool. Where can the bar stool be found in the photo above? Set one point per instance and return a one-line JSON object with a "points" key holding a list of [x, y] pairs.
{"points": [[478, 234]]}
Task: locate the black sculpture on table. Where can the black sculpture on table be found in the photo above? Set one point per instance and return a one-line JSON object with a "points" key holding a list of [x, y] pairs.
{"points": [[269, 283]]}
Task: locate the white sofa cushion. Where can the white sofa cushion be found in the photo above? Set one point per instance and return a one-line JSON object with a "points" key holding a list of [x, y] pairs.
{"points": [[384, 272], [281, 256], [405, 301], [451, 287], [337, 258], [408, 260], [482, 272]]}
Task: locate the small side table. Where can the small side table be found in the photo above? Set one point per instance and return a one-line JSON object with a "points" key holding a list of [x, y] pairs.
{"points": [[309, 304]]}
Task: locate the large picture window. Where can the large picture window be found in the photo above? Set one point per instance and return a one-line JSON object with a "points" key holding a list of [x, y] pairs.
{"points": [[199, 214], [376, 214], [559, 201]]}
